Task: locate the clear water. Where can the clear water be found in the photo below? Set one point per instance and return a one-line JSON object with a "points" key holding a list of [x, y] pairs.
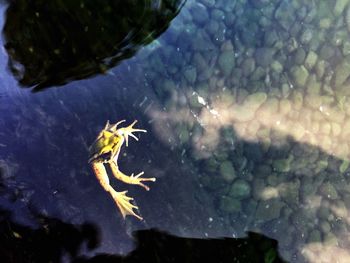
{"points": [[246, 108]]}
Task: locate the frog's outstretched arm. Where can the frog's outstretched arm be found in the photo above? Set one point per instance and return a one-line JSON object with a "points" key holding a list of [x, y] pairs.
{"points": [[120, 198], [132, 179]]}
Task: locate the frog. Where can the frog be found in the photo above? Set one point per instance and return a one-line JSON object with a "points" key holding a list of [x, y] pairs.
{"points": [[104, 151]]}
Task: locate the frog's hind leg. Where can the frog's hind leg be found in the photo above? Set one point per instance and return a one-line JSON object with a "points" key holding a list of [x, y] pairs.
{"points": [[132, 179], [120, 198]]}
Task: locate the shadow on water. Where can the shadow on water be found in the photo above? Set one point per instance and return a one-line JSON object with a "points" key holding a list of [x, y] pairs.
{"points": [[53, 240], [51, 44]]}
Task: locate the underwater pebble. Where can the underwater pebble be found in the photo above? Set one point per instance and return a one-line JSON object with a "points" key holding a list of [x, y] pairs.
{"points": [[342, 72], [268, 210], [227, 171], [230, 205], [299, 75], [226, 62], [311, 60], [240, 189], [339, 6], [264, 56], [328, 191]]}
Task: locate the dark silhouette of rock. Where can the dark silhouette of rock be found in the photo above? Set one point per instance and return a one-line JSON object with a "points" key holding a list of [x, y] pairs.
{"points": [[47, 243], [51, 43], [157, 246]]}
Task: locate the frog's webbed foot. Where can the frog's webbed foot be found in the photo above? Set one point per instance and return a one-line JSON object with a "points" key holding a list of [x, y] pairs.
{"points": [[128, 131], [132, 179], [124, 204], [121, 199]]}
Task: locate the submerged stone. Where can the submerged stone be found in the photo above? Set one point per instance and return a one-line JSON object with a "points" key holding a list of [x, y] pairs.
{"points": [[328, 191], [268, 210], [282, 165], [299, 75], [311, 60], [342, 72], [226, 62], [190, 74], [230, 205], [227, 171], [339, 6], [240, 189], [264, 56]]}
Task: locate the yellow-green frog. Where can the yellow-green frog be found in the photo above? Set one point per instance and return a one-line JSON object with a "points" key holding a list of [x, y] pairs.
{"points": [[105, 150]]}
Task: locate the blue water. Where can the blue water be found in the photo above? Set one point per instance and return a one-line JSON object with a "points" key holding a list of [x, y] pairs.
{"points": [[245, 107]]}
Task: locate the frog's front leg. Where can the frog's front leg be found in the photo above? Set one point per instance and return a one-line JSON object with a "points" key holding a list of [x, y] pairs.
{"points": [[132, 179], [120, 198]]}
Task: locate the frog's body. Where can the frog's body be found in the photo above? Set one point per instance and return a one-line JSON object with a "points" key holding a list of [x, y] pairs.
{"points": [[105, 150]]}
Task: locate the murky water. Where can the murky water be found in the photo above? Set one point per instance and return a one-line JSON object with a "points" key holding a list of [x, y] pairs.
{"points": [[246, 104]]}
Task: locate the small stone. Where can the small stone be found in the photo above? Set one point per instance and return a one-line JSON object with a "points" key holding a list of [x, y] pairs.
{"points": [[346, 129], [297, 131], [326, 52], [258, 188], [240, 189], [328, 191], [299, 56], [306, 36], [227, 171], [340, 6], [268, 210], [336, 129], [226, 62], [246, 111], [342, 72], [248, 66], [208, 3], [199, 61], [320, 68], [184, 134], [311, 60], [282, 165], [270, 38], [217, 14], [313, 86], [284, 14], [292, 45], [277, 66], [321, 165], [255, 100], [202, 42], [325, 227], [199, 14], [297, 100], [230, 205], [323, 212], [227, 46], [314, 236], [212, 27], [249, 206], [346, 48], [313, 101], [264, 56], [289, 191], [285, 106], [330, 240], [325, 23], [300, 75], [344, 166], [190, 74]]}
